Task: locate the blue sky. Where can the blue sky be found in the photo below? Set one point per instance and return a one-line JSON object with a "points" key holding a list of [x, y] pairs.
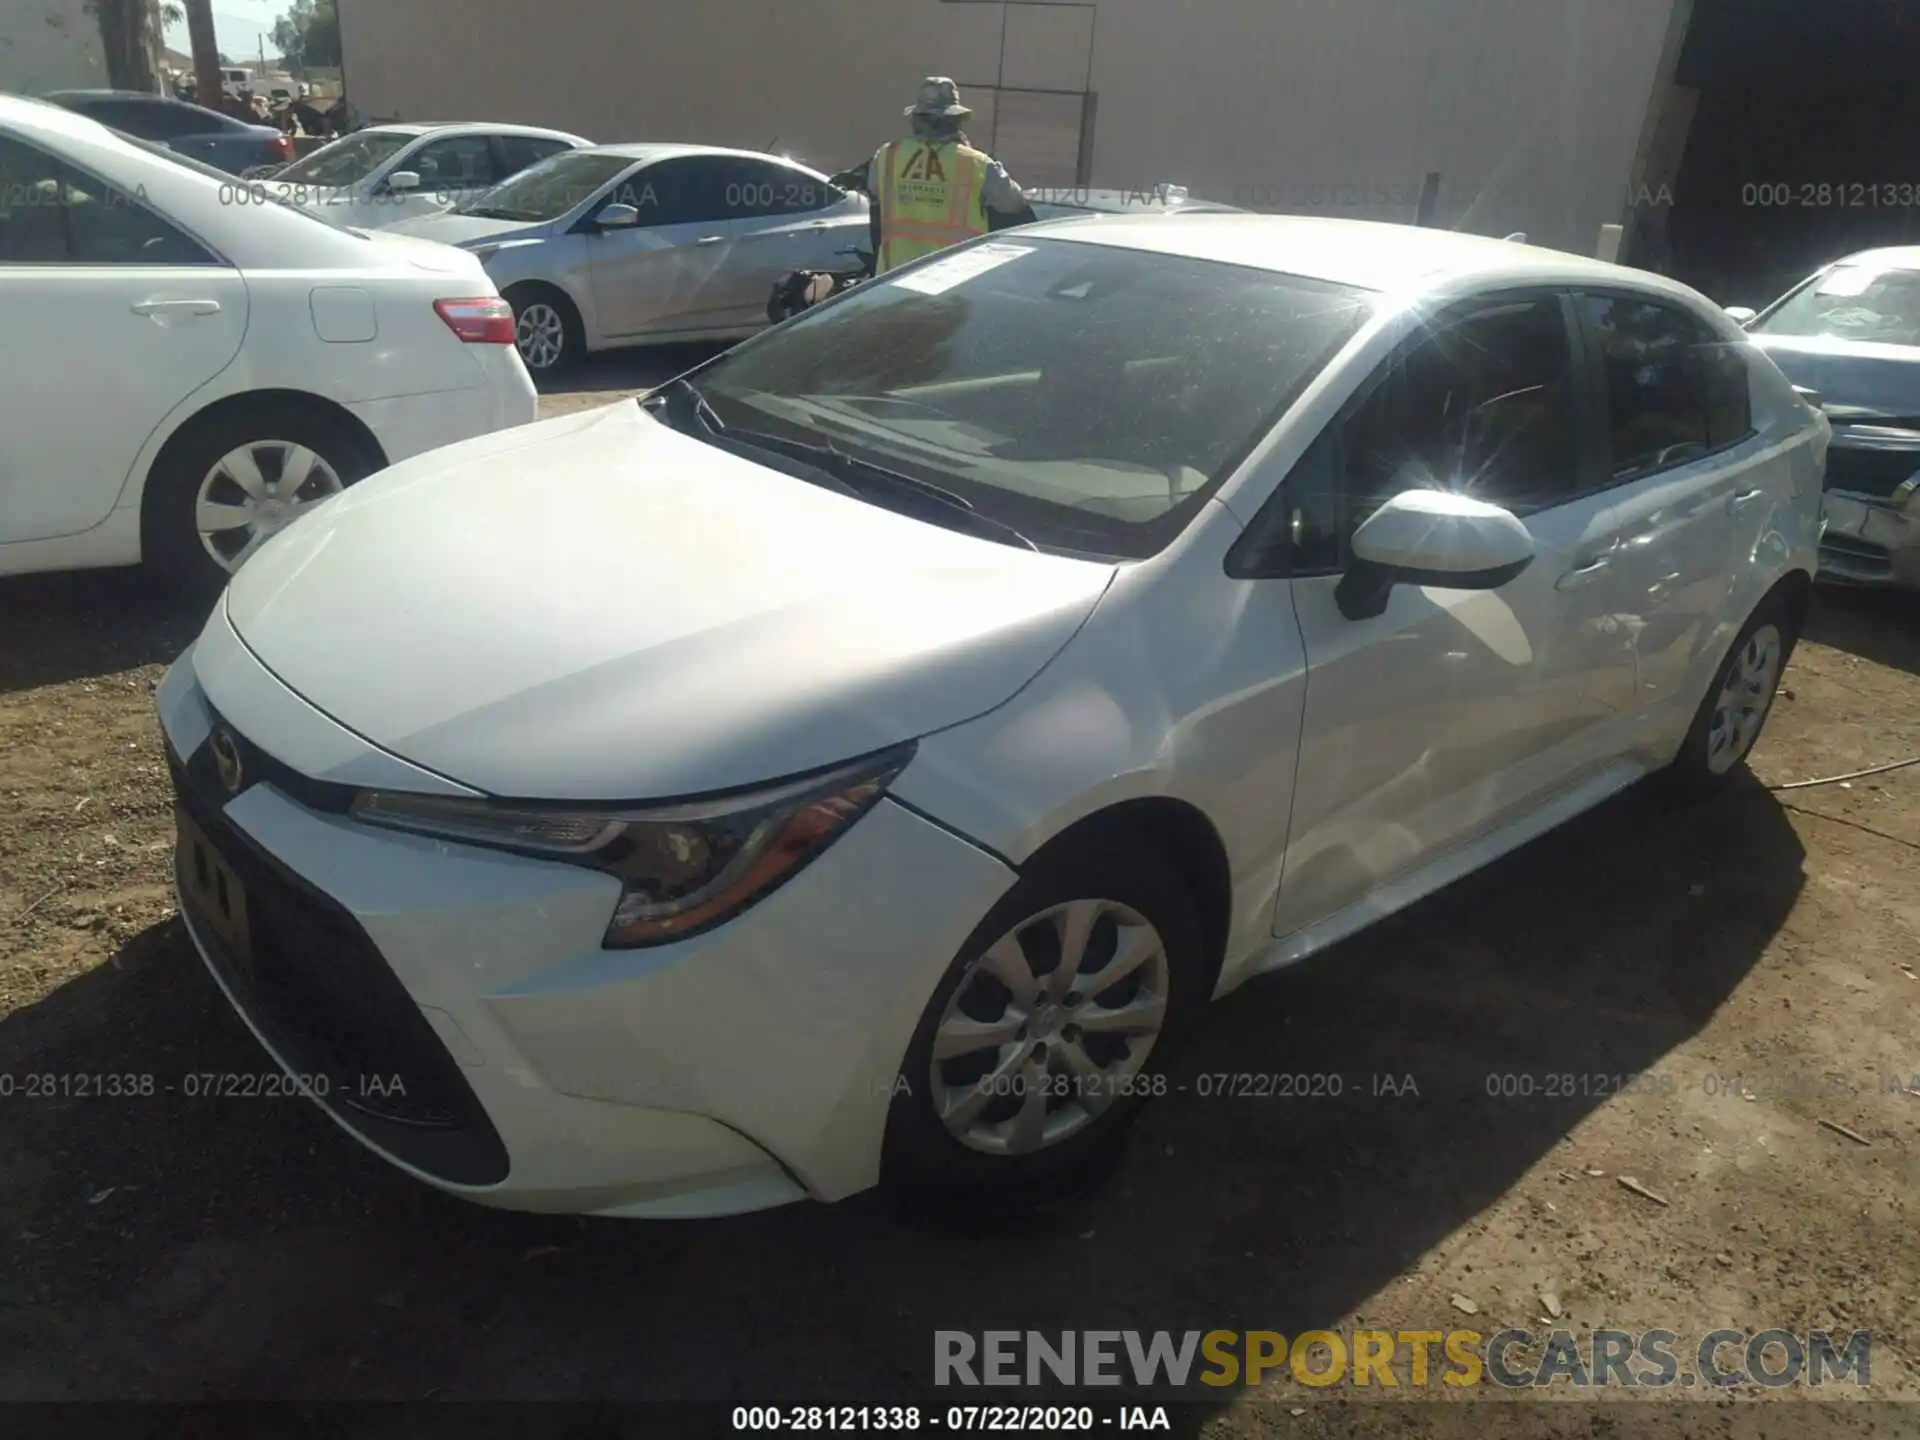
{"points": [[239, 24]]}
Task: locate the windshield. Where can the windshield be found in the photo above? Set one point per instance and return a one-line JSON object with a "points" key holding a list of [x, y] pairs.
{"points": [[1851, 302], [550, 189], [348, 160], [1090, 397], [243, 191]]}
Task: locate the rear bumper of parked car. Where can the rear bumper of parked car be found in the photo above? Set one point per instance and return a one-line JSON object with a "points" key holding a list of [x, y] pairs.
{"points": [[457, 1006], [411, 425], [1872, 510]]}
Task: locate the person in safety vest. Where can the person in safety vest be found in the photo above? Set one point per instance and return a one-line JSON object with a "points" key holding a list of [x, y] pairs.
{"points": [[933, 189]]}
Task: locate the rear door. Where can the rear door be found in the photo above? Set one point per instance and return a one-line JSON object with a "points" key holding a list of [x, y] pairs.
{"points": [[1454, 711], [110, 317], [781, 219], [1688, 487]]}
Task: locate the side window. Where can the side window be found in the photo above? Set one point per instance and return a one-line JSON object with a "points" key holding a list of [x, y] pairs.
{"points": [[1482, 403], [753, 189], [462, 162], [676, 192], [520, 151], [157, 120], [51, 213], [1674, 390], [33, 217]]}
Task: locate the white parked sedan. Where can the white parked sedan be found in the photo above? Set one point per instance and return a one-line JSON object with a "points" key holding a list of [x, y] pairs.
{"points": [[865, 758], [187, 372], [383, 174]]}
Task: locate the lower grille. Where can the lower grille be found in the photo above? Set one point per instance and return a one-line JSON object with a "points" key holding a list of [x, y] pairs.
{"points": [[1876, 473], [320, 993]]}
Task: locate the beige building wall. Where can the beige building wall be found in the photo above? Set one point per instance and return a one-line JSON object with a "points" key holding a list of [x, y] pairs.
{"points": [[49, 45], [1530, 111]]}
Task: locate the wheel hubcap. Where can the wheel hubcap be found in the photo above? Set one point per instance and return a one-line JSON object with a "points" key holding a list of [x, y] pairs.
{"points": [[1049, 1026], [257, 491], [541, 336], [1744, 699]]}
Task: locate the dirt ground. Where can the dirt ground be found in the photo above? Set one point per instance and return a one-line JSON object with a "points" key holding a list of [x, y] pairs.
{"points": [[1759, 956]]}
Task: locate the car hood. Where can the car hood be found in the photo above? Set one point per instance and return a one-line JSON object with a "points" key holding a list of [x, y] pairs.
{"points": [[598, 607], [1856, 379], [453, 229]]}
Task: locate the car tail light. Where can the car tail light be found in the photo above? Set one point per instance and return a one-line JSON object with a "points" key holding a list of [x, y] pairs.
{"points": [[280, 147], [487, 321]]}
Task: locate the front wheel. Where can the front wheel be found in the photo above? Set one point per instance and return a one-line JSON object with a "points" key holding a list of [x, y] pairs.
{"points": [[1049, 1031]]}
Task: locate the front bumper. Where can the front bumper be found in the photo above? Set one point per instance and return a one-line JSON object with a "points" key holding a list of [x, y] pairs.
{"points": [[742, 1068], [1871, 510]]}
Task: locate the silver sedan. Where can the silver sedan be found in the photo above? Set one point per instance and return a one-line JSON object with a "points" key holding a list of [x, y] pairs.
{"points": [[624, 245]]}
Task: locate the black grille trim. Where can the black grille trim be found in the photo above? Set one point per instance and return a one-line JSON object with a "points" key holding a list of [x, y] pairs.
{"points": [[329, 1004], [1875, 473]]}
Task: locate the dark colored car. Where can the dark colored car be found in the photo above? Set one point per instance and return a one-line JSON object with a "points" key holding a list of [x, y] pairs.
{"points": [[1851, 333], [206, 135]]}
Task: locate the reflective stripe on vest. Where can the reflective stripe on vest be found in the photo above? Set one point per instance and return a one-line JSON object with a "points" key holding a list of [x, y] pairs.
{"points": [[922, 213]]}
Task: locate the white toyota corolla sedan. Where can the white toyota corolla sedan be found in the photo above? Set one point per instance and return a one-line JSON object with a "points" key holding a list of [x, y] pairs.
{"points": [[864, 758], [190, 367]]}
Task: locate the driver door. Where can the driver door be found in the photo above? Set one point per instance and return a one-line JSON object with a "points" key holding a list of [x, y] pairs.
{"points": [[658, 276], [1429, 725]]}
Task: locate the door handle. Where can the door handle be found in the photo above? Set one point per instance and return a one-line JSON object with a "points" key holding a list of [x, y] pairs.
{"points": [[709, 239], [177, 307], [1588, 567], [1734, 502]]}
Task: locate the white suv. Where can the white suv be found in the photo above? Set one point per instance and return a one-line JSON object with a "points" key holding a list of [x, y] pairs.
{"points": [[864, 759]]}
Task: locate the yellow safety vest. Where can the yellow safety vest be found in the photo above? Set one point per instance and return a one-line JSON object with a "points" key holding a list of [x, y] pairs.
{"points": [[929, 199]]}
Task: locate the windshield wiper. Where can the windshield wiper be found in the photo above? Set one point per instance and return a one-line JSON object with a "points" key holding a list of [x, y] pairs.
{"points": [[494, 212], [846, 473], [864, 476]]}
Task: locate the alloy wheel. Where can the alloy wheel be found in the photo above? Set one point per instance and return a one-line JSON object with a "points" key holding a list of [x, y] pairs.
{"points": [[254, 492], [1744, 699], [541, 335], [1049, 1027]]}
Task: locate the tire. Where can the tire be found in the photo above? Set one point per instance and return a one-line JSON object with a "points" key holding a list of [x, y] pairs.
{"points": [[1734, 711], [206, 465], [543, 319], [1114, 881]]}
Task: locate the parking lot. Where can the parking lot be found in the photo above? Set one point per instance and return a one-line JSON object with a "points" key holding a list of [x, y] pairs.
{"points": [[1756, 956]]}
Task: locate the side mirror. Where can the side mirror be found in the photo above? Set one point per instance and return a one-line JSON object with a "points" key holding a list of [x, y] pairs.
{"points": [[1744, 314], [1431, 537], [617, 217], [401, 181]]}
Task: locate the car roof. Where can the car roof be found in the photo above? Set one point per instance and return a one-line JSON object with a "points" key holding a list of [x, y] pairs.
{"points": [[669, 150], [1364, 254], [470, 127], [1888, 257], [48, 118]]}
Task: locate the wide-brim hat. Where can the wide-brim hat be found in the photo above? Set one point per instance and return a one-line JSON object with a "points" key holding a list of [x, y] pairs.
{"points": [[939, 100]]}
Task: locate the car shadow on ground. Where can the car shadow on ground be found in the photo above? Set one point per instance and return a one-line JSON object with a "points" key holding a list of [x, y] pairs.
{"points": [[618, 370], [75, 626], [184, 1247], [1878, 625]]}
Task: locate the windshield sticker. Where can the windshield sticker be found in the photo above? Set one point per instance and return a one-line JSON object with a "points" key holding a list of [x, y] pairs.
{"points": [[942, 275], [1848, 280]]}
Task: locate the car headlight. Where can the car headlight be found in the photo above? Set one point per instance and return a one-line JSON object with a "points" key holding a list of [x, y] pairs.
{"points": [[683, 868]]}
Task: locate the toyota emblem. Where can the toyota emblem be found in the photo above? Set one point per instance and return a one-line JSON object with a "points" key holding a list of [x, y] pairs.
{"points": [[226, 760]]}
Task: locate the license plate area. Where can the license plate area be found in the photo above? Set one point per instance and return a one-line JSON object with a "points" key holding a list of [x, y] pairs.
{"points": [[215, 892]]}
